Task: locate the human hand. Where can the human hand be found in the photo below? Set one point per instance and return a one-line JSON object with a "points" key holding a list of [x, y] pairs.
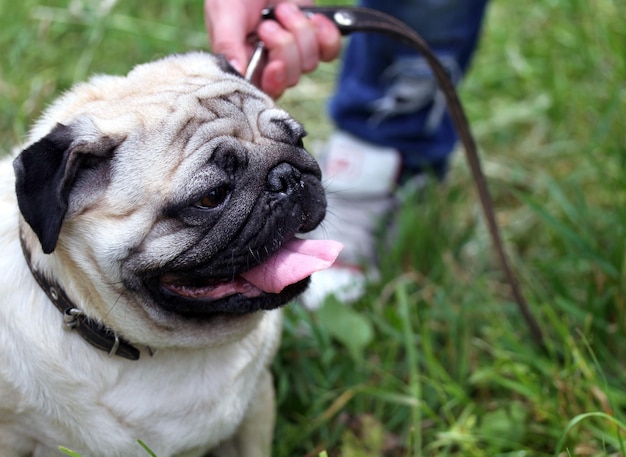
{"points": [[295, 43]]}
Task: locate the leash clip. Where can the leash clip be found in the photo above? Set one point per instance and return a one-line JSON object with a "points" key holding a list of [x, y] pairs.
{"points": [[255, 61]]}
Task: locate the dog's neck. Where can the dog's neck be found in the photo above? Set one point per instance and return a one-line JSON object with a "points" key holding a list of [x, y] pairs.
{"points": [[93, 332]]}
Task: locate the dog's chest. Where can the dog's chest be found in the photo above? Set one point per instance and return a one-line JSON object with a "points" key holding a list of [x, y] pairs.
{"points": [[179, 403], [175, 406]]}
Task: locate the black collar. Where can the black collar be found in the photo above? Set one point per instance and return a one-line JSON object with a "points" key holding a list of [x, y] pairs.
{"points": [[93, 332]]}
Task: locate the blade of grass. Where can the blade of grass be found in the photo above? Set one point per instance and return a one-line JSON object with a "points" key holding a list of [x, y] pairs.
{"points": [[414, 383]]}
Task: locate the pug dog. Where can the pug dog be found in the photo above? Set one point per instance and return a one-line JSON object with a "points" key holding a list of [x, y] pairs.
{"points": [[149, 235]]}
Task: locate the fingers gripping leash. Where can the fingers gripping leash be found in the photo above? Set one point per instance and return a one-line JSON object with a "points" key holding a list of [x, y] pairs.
{"points": [[358, 19]]}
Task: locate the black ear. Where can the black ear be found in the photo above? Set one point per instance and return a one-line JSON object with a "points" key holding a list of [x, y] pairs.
{"points": [[224, 65], [45, 173]]}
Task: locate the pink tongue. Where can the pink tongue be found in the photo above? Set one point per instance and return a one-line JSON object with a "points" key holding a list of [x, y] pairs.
{"points": [[293, 262]]}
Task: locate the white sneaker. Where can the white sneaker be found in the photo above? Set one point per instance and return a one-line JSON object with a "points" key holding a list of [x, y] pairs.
{"points": [[360, 179]]}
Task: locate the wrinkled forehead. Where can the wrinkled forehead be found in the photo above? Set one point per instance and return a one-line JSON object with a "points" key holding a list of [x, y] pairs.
{"points": [[183, 107], [195, 122], [185, 81], [156, 100], [204, 97], [185, 89], [239, 115]]}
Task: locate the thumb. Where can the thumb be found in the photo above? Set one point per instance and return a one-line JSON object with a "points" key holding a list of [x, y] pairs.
{"points": [[227, 34]]}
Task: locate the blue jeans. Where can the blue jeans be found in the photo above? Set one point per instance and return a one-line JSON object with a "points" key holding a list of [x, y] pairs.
{"points": [[386, 93]]}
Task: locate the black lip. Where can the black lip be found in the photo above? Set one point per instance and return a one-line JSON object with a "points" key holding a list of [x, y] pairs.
{"points": [[236, 304], [213, 272]]}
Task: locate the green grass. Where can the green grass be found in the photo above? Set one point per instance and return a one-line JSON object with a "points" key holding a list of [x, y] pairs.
{"points": [[435, 360]]}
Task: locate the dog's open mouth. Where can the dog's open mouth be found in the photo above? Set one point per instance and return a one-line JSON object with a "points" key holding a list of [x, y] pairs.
{"points": [[272, 283], [207, 289]]}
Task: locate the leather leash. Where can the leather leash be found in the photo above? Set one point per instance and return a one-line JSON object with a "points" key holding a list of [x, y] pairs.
{"points": [[359, 19]]}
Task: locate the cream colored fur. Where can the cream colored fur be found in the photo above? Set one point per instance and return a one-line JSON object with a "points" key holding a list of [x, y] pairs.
{"points": [[205, 387]]}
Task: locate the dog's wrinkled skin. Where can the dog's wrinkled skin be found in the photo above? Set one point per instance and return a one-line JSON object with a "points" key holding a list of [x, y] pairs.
{"points": [[134, 193]]}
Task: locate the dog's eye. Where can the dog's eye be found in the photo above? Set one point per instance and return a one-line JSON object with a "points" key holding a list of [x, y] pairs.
{"points": [[213, 199]]}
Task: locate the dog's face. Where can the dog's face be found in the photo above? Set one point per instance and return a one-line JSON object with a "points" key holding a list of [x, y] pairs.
{"points": [[153, 194]]}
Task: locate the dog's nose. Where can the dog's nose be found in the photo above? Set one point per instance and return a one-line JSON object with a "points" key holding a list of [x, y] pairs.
{"points": [[284, 179]]}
